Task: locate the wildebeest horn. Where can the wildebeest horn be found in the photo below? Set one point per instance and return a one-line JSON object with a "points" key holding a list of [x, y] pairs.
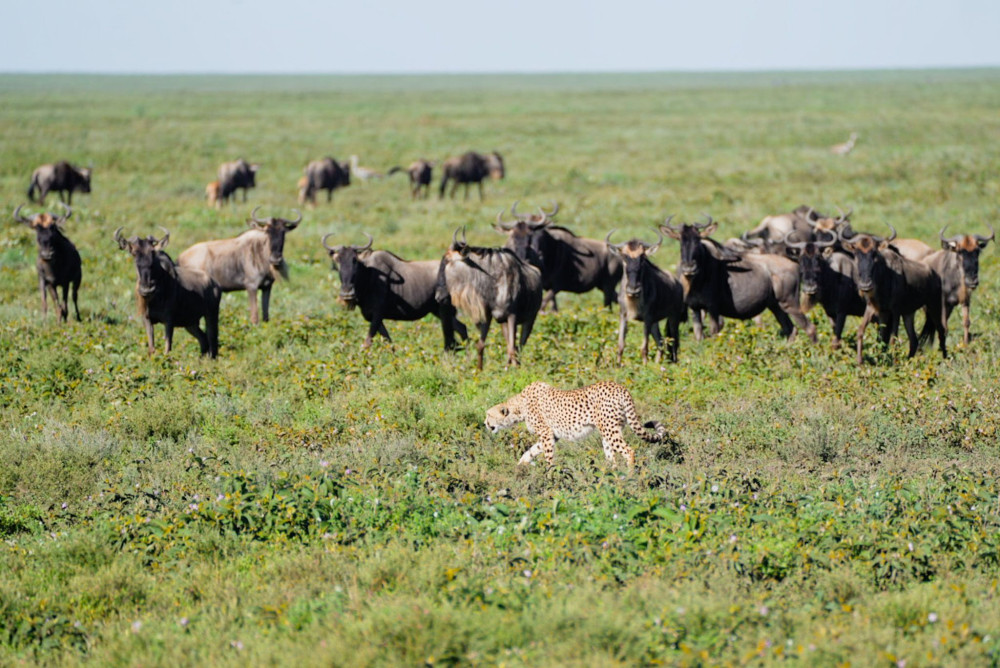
{"points": [[607, 239], [292, 224], [981, 238], [253, 217], [893, 236], [954, 239], [845, 216], [555, 209], [513, 208], [454, 237], [502, 225], [666, 223], [69, 211], [825, 244], [119, 238], [335, 248], [361, 249], [659, 242], [21, 219], [799, 245], [701, 226], [166, 237]]}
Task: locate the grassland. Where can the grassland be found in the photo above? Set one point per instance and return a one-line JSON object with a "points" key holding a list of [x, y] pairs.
{"points": [[301, 500]]}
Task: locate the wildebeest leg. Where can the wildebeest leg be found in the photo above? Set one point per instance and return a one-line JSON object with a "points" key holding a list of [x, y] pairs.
{"points": [[699, 330], [150, 342], [838, 329], [785, 322], [265, 302], [252, 298], [865, 319], [509, 329], [484, 329], [168, 334], [212, 332], [196, 332], [714, 324], [480, 184], [966, 321], [329, 196], [674, 333], [466, 198], [45, 296], [64, 304], [622, 330], [55, 300], [654, 329], [526, 328], [911, 333], [550, 298], [76, 306]]}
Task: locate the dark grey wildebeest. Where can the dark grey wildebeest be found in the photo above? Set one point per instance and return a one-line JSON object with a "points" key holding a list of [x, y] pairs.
{"points": [[326, 174], [252, 261], [648, 295], [724, 283], [234, 176], [488, 284], [60, 177], [957, 264], [894, 287], [568, 263], [469, 168], [58, 261], [174, 295], [387, 287], [420, 173]]}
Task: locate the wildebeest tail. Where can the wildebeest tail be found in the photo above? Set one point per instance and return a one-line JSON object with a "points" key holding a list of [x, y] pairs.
{"points": [[31, 188], [651, 432], [395, 169]]}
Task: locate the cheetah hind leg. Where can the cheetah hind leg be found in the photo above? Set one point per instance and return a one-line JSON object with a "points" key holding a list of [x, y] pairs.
{"points": [[614, 444]]}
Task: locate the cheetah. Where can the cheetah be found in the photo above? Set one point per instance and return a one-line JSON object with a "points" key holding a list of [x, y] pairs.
{"points": [[572, 414]]}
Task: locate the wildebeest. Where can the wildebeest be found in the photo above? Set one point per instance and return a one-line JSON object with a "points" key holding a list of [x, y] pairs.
{"points": [[58, 261], [174, 295], [912, 249], [252, 261], [420, 172], [893, 288], [387, 287], [827, 278], [957, 264], [469, 168], [568, 263], [648, 295], [60, 177], [326, 174], [724, 283], [802, 224], [487, 284], [235, 175]]}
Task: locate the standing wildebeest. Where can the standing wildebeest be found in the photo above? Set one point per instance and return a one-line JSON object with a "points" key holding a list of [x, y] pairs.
{"points": [[60, 177], [326, 174], [470, 168], [420, 172], [568, 263], [235, 175], [893, 288], [649, 295], [722, 282], [488, 283], [58, 261], [387, 287], [827, 277], [252, 261], [957, 264], [174, 295]]}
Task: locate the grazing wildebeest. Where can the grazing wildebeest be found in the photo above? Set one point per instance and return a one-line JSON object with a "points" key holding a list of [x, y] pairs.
{"points": [[488, 283], [894, 288], [58, 261], [387, 287], [174, 295], [60, 177], [827, 278], [568, 263], [721, 282], [469, 168], [957, 264], [252, 261], [235, 175], [648, 295], [326, 174], [420, 172]]}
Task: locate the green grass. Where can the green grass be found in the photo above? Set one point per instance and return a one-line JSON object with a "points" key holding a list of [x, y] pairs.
{"points": [[303, 500]]}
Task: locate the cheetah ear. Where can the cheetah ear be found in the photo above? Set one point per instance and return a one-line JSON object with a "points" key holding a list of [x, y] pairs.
{"points": [[504, 411]]}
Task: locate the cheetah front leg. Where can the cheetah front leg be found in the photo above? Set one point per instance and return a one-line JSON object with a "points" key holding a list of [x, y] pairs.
{"points": [[546, 445]]}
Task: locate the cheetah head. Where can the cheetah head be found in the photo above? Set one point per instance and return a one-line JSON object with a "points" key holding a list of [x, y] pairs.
{"points": [[503, 415]]}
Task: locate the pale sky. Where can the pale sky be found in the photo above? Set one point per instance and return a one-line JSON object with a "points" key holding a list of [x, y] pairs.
{"points": [[415, 36]]}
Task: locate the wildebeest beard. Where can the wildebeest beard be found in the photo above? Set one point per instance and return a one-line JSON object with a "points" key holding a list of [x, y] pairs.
{"points": [[280, 271]]}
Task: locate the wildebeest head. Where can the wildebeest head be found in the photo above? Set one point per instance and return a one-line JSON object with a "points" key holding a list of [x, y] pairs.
{"points": [[968, 247], [692, 249], [634, 255], [868, 259], [810, 255], [494, 162], [252, 175], [347, 260], [275, 228], [47, 228], [523, 233], [152, 265], [84, 182]]}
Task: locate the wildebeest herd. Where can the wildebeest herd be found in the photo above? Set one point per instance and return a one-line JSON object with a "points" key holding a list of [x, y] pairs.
{"points": [[883, 279]]}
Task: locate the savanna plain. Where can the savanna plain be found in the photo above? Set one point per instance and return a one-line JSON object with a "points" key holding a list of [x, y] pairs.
{"points": [[301, 500]]}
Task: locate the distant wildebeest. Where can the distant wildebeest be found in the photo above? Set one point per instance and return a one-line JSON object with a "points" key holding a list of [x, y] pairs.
{"points": [[252, 261], [235, 175], [568, 263], [174, 295], [912, 249], [212, 194], [827, 278], [846, 147], [58, 261], [326, 174], [802, 224], [420, 172], [894, 288], [648, 295], [469, 168], [957, 264], [487, 284], [60, 177], [387, 287], [724, 283], [364, 173]]}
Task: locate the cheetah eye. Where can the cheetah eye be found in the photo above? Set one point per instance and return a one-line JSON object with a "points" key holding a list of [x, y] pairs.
{"points": [[504, 411]]}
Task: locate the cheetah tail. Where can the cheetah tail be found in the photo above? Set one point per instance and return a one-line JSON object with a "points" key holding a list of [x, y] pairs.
{"points": [[641, 430]]}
